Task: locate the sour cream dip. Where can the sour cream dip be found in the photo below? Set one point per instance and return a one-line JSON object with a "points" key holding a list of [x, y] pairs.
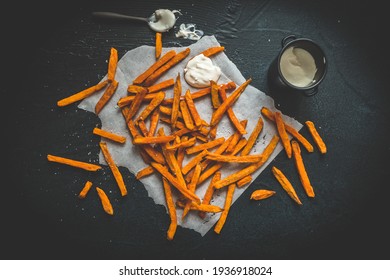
{"points": [[200, 70]]}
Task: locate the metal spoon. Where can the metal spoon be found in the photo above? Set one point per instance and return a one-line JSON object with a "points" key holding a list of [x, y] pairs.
{"points": [[151, 21], [110, 15]]}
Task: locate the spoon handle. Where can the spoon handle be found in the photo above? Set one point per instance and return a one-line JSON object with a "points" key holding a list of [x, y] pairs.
{"points": [[110, 15]]}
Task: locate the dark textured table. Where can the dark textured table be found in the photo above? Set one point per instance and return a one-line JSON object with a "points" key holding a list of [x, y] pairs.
{"points": [[59, 49]]}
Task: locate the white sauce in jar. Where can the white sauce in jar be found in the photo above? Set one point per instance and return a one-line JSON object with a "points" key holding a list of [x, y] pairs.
{"points": [[164, 20], [298, 66], [200, 70]]}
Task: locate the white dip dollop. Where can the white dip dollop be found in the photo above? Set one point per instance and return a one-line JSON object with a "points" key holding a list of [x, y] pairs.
{"points": [[298, 66], [163, 20], [189, 31], [200, 70]]}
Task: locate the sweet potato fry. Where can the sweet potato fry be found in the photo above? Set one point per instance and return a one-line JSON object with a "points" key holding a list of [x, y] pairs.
{"points": [[164, 68], [204, 146], [236, 138], [85, 189], [234, 159], [253, 137], [192, 108], [286, 185], [152, 139], [171, 209], [163, 60], [261, 194], [214, 94], [82, 94], [107, 206], [108, 93], [136, 103], [316, 136], [240, 145], [176, 100], [296, 150], [233, 119], [203, 92], [158, 44], [244, 181], [183, 190], [160, 86], [213, 50], [192, 186], [209, 192], [251, 168], [112, 65], [221, 149], [213, 132], [218, 114], [228, 202], [154, 122], [191, 164], [151, 106], [294, 133], [181, 152], [109, 135], [142, 126], [75, 163], [186, 115], [144, 172], [283, 134], [115, 171], [201, 207], [183, 144]]}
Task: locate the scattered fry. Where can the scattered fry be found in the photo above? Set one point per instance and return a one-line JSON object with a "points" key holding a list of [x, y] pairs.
{"points": [[107, 206], [186, 115], [153, 139], [234, 120], [192, 186], [144, 172], [296, 150], [176, 100], [82, 94], [204, 146], [160, 86], [163, 60], [316, 136], [213, 50], [214, 94], [237, 159], [283, 134], [251, 168], [209, 192], [261, 194], [108, 93], [115, 171], [158, 44], [244, 181], [218, 114], [136, 103], [151, 106], [109, 135], [85, 189], [112, 64], [286, 185], [294, 133], [171, 209], [164, 68], [253, 137], [228, 202], [191, 107], [74, 163]]}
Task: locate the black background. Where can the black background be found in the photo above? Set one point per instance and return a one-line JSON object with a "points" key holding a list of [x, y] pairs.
{"points": [[51, 50]]}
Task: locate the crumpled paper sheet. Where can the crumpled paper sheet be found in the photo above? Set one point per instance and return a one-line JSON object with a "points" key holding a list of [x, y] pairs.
{"points": [[246, 107]]}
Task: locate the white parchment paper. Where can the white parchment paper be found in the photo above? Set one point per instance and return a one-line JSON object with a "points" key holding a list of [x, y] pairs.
{"points": [[247, 107]]}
